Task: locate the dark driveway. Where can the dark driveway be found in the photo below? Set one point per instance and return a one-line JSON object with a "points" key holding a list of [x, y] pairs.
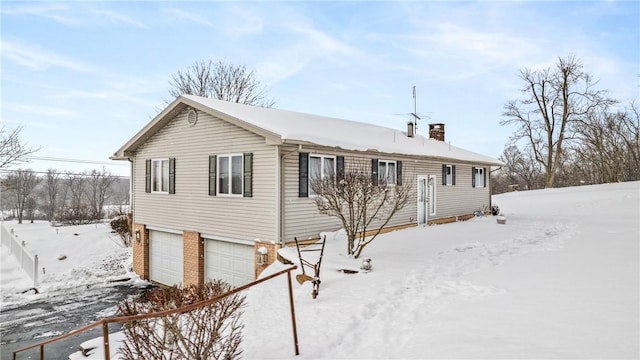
{"points": [[58, 313]]}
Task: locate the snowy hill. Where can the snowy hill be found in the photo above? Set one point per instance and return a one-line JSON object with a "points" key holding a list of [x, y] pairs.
{"points": [[559, 280]]}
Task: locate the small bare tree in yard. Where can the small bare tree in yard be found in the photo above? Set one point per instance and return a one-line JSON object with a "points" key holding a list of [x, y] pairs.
{"points": [[555, 101], [52, 180], [208, 332], [361, 201], [222, 81], [98, 184], [21, 183], [121, 225]]}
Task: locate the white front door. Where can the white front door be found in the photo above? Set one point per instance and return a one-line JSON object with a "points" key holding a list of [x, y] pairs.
{"points": [[422, 200], [426, 198]]}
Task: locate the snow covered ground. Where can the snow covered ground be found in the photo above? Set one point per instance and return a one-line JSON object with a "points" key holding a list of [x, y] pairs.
{"points": [[561, 279], [92, 253]]}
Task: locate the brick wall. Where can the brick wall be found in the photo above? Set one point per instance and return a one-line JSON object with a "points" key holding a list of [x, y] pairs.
{"points": [[193, 253], [141, 251], [272, 253]]}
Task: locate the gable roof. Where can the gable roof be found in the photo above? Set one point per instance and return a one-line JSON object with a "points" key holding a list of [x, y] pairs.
{"points": [[290, 127]]}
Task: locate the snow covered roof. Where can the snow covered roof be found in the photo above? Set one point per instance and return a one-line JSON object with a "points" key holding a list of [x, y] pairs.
{"points": [[290, 127]]}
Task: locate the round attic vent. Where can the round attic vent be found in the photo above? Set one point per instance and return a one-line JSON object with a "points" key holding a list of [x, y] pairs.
{"points": [[192, 117]]}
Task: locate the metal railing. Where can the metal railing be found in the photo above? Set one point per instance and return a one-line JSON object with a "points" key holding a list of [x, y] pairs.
{"points": [[27, 261], [124, 319]]}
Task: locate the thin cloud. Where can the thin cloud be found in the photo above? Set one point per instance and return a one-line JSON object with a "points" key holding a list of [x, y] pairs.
{"points": [[49, 11], [38, 110], [118, 17], [35, 58], [185, 15]]}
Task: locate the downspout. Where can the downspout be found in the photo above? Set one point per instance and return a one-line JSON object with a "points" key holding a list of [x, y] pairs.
{"points": [[491, 188], [131, 188], [281, 199]]}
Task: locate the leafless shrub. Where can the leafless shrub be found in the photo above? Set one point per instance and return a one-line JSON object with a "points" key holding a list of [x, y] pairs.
{"points": [[360, 202], [208, 332]]}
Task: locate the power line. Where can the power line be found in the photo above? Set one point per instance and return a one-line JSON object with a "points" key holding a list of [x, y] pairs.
{"points": [[85, 174], [95, 162]]}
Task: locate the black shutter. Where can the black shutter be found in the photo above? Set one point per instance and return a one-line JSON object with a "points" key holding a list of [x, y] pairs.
{"points": [[248, 174], [444, 174], [213, 161], [374, 172], [473, 176], [453, 174], [147, 172], [339, 168], [398, 172], [172, 175], [484, 172], [303, 175]]}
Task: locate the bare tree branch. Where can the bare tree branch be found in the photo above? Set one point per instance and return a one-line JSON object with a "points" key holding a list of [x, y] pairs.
{"points": [[222, 81]]}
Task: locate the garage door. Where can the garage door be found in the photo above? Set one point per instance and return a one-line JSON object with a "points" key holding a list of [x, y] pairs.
{"points": [[165, 257], [228, 261]]}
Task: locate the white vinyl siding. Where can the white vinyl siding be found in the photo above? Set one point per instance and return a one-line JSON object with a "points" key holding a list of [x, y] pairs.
{"points": [[303, 220], [192, 208]]}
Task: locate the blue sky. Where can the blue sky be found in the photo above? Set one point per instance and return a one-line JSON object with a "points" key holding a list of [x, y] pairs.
{"points": [[84, 77]]}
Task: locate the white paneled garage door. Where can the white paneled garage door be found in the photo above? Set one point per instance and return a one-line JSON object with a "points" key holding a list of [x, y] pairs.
{"points": [[228, 261], [165, 257]]}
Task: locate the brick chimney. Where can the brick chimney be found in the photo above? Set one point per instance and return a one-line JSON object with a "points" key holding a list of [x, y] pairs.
{"points": [[436, 131]]}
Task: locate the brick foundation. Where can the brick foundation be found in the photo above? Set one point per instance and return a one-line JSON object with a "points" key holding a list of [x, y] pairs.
{"points": [[272, 253], [141, 251], [193, 258]]}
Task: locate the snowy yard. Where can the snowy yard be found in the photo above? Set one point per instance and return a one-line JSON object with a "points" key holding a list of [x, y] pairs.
{"points": [[559, 280]]}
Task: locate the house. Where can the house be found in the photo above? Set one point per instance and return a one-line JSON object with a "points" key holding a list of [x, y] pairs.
{"points": [[218, 187]]}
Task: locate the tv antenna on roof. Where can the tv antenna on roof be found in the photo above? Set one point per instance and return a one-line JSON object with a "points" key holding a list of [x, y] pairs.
{"points": [[414, 115]]}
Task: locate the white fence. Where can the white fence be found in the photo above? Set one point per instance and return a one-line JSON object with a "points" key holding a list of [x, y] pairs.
{"points": [[28, 262]]}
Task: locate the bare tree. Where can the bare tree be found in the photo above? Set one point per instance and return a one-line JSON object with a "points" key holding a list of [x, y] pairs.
{"points": [[52, 181], [609, 148], [555, 99], [521, 168], [360, 202], [21, 183], [98, 185], [12, 150], [76, 210], [222, 81]]}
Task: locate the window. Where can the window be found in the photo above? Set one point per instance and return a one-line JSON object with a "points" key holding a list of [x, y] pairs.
{"points": [[160, 176], [448, 174], [230, 174], [478, 177], [320, 167], [386, 172], [313, 167]]}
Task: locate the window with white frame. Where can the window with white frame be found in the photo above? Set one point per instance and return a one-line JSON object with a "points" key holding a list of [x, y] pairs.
{"points": [[160, 175], [386, 172], [448, 174], [230, 170], [479, 177], [320, 167]]}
